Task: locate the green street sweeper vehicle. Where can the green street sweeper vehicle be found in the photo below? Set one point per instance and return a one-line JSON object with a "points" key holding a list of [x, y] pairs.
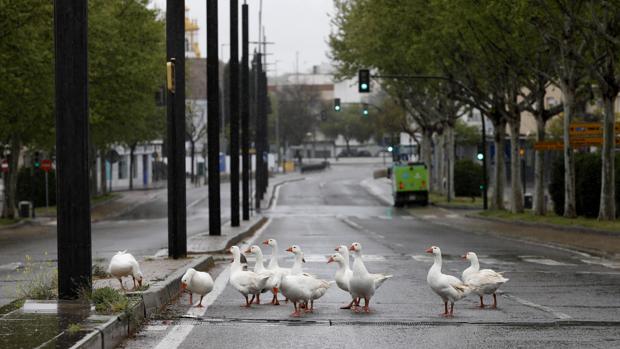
{"points": [[409, 183]]}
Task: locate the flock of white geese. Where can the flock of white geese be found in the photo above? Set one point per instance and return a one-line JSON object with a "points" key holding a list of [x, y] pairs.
{"points": [[302, 288]]}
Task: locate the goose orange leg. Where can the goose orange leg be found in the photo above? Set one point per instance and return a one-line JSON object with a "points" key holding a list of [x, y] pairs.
{"points": [[296, 313], [366, 304], [494, 301], [257, 298], [481, 302], [445, 305], [275, 300], [200, 303], [248, 303], [191, 299]]}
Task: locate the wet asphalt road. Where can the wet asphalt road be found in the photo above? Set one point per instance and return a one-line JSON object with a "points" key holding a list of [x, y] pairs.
{"points": [[143, 231], [554, 299]]}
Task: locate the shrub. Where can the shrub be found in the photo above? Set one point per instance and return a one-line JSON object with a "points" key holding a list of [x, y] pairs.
{"points": [[467, 178], [108, 300], [587, 184]]}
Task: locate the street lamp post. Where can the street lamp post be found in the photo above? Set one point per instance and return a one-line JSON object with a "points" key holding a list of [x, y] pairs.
{"points": [[485, 202], [213, 122], [234, 113]]}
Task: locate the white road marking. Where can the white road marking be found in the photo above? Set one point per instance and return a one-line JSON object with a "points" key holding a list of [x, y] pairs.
{"points": [[385, 217], [156, 327], [195, 203], [178, 333], [422, 258], [407, 218], [546, 261], [452, 216], [603, 262], [373, 258], [12, 266], [175, 337], [429, 216], [555, 313]]}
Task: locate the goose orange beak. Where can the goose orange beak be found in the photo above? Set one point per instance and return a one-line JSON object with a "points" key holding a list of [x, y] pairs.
{"points": [[429, 250], [266, 242], [336, 249], [248, 251], [331, 259], [352, 248], [464, 256], [183, 286], [290, 249]]}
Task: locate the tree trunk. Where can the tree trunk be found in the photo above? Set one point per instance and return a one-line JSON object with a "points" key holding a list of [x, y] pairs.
{"points": [[450, 158], [347, 140], [439, 160], [570, 210], [132, 150], [499, 174], [516, 197], [192, 154], [10, 189], [539, 169], [607, 209], [427, 153], [103, 179], [92, 170]]}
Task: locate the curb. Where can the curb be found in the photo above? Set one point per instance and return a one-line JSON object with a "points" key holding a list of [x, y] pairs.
{"points": [[117, 328], [15, 225], [277, 185], [573, 228], [456, 207]]}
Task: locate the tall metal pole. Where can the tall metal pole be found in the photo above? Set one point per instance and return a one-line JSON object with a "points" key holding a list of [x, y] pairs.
{"points": [[234, 113], [485, 200], [258, 140], [175, 53], [213, 121], [72, 184], [245, 113], [265, 133]]}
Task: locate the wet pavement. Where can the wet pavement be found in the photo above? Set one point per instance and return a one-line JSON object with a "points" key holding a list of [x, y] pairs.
{"points": [[555, 298]]}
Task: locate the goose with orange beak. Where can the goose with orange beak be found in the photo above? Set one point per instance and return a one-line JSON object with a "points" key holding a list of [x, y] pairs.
{"points": [[448, 287], [485, 281], [196, 282], [259, 268], [276, 268], [362, 283], [343, 275], [245, 281]]}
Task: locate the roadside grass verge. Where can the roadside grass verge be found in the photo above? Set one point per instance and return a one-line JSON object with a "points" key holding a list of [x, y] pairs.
{"points": [[475, 202], [14, 305], [554, 219], [8, 221]]}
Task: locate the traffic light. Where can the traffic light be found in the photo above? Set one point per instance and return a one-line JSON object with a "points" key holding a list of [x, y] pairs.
{"points": [[363, 81], [337, 104], [480, 154], [37, 160], [323, 115], [365, 110]]}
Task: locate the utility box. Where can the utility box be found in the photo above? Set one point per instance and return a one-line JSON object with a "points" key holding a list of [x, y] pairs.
{"points": [[409, 183], [528, 201], [25, 209]]}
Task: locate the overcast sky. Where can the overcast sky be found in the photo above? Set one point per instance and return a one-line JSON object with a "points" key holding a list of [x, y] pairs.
{"points": [[293, 25]]}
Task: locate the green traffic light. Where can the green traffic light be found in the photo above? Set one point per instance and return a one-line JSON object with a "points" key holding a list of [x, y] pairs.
{"points": [[37, 164], [337, 108], [390, 149], [364, 86], [365, 112], [480, 156]]}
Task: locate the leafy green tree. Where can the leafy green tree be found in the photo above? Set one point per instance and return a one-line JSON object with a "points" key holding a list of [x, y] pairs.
{"points": [[350, 124]]}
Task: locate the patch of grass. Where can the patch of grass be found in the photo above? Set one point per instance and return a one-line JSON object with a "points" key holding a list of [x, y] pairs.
{"points": [[101, 198], [45, 211], [475, 202], [8, 221], [144, 287], [73, 329], [552, 218], [39, 283], [99, 272], [14, 305], [108, 300]]}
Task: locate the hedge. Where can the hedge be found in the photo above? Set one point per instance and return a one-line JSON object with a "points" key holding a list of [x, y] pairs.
{"points": [[467, 178]]}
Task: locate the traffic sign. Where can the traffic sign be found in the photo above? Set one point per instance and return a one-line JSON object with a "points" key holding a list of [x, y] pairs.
{"points": [[549, 145], [574, 142], [46, 165], [5, 166], [588, 128]]}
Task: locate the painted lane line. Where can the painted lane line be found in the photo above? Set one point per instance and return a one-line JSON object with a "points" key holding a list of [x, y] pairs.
{"points": [[452, 216], [555, 313], [429, 216], [546, 261], [175, 337], [12, 266], [156, 327]]}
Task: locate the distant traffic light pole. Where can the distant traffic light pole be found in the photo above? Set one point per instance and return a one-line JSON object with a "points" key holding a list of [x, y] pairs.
{"points": [[485, 202], [245, 114]]}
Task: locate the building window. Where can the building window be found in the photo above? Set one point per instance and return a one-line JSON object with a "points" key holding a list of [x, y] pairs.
{"points": [[122, 167]]}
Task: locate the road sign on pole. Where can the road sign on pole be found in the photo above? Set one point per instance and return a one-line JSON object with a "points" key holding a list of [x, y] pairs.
{"points": [[46, 165], [5, 166]]}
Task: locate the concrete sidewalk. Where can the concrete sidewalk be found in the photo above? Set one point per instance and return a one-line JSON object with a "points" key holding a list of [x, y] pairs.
{"points": [[599, 244]]}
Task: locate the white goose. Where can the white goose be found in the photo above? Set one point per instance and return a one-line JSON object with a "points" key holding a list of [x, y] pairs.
{"points": [[124, 264], [301, 287], [485, 281], [259, 268], [448, 287], [244, 281], [196, 282], [343, 275], [275, 266], [363, 284]]}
